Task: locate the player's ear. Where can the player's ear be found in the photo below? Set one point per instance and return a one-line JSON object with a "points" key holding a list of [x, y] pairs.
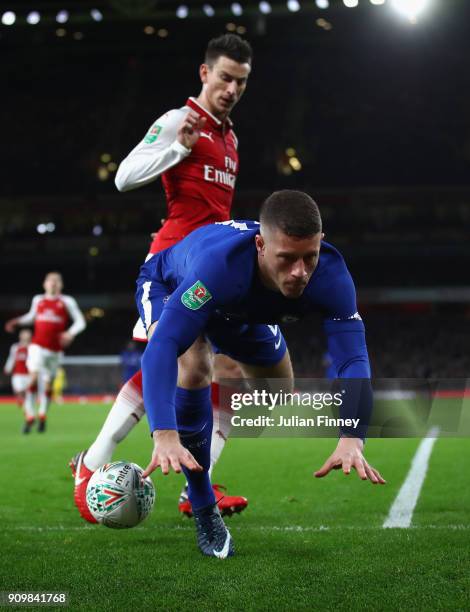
{"points": [[203, 71], [259, 241]]}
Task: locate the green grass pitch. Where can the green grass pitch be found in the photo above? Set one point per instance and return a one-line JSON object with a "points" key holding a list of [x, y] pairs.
{"points": [[302, 544]]}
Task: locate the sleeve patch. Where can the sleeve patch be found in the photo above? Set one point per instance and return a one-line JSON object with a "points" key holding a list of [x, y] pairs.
{"points": [[152, 134], [196, 296]]}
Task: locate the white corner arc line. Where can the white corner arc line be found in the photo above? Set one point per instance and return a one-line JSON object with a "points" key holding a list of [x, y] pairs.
{"points": [[401, 511]]}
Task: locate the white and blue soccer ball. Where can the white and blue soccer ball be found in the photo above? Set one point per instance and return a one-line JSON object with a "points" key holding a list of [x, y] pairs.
{"points": [[117, 495]]}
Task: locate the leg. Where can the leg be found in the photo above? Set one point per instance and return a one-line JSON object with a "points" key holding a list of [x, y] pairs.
{"points": [[126, 412], [224, 368]]}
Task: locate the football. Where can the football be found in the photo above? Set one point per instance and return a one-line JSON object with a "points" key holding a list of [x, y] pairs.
{"points": [[118, 496]]}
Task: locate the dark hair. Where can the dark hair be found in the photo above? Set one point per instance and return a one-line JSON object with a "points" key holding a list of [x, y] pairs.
{"points": [[231, 46], [293, 212]]}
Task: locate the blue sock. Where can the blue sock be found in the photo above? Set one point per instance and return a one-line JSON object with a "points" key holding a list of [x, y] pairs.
{"points": [[194, 418]]}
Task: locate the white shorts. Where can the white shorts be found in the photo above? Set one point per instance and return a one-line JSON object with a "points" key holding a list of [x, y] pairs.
{"points": [[20, 382], [43, 361], [139, 332]]}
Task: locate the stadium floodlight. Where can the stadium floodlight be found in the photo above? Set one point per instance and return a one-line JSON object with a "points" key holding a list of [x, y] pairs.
{"points": [[351, 3], [41, 228], [293, 5], [208, 10], [410, 8], [377, 2], [264, 7], [33, 18], [237, 9], [182, 11], [96, 15], [62, 17], [322, 4], [8, 18]]}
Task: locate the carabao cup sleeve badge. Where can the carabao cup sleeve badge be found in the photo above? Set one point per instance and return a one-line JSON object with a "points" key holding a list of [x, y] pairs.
{"points": [[196, 296]]}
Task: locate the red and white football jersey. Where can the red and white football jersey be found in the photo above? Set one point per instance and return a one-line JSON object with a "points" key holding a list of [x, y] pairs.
{"points": [[16, 362], [199, 182], [51, 316]]}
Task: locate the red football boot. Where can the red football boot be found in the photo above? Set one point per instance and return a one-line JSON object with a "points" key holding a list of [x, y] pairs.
{"points": [[228, 504], [81, 475]]}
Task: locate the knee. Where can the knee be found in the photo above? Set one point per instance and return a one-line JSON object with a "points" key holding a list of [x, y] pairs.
{"points": [[195, 367]]}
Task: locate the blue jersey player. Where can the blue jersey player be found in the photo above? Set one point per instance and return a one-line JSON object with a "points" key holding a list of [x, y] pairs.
{"points": [[229, 285]]}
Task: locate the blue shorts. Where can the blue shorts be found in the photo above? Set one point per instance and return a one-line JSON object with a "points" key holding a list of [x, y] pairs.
{"points": [[250, 343]]}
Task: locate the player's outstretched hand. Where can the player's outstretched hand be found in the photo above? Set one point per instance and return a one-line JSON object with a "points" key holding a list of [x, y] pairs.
{"points": [[169, 453], [190, 130], [10, 325], [348, 454]]}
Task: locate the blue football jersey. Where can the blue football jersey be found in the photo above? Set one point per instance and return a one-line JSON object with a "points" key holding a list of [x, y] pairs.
{"points": [[213, 272]]}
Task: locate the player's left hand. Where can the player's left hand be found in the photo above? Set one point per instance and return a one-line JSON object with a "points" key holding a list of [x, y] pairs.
{"points": [[348, 454], [66, 339]]}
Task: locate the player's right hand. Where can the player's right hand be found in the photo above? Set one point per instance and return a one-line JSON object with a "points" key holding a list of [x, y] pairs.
{"points": [[169, 453], [10, 326], [190, 130]]}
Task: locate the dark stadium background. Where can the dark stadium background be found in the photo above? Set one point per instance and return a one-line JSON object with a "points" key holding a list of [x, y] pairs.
{"points": [[377, 110]]}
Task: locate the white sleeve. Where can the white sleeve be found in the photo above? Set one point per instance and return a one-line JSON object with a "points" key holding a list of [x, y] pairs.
{"points": [[155, 154], [75, 314], [11, 359], [28, 318]]}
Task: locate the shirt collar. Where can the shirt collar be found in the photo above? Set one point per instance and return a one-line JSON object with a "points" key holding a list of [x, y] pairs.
{"points": [[217, 123]]}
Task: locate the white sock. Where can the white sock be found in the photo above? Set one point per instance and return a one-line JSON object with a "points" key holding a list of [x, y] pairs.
{"points": [[44, 401], [28, 405], [126, 412], [220, 432]]}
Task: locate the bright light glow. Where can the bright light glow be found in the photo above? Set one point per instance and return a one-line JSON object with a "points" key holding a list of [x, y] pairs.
{"points": [[162, 32], [149, 30], [208, 10], [50, 227], [112, 166], [97, 230], [103, 173], [41, 228], [265, 7], [105, 158], [293, 5], [377, 2], [8, 18], [290, 151], [33, 18], [237, 9], [322, 4], [96, 15], [182, 11], [231, 27], [62, 17], [295, 164], [410, 8], [351, 3]]}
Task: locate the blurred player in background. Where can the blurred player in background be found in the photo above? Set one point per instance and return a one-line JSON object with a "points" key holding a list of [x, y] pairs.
{"points": [[15, 367], [130, 361], [194, 150], [51, 313], [59, 384]]}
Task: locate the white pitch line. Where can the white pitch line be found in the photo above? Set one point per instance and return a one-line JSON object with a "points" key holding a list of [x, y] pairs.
{"points": [[401, 511]]}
